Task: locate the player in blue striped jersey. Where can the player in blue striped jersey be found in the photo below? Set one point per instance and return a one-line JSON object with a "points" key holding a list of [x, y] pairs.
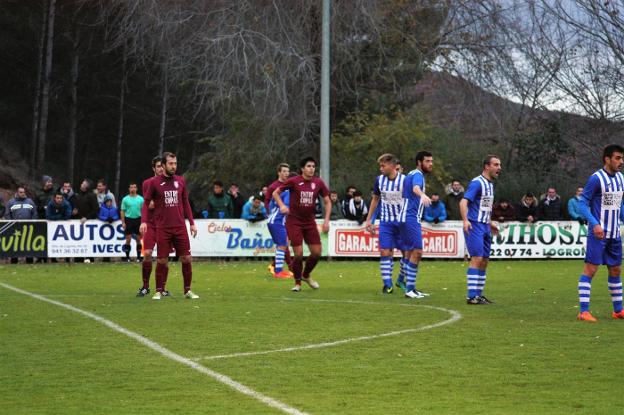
{"points": [[277, 224], [414, 202], [388, 189], [476, 212], [601, 206]]}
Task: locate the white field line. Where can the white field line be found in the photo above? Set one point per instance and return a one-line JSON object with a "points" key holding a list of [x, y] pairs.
{"points": [[167, 353], [455, 316]]}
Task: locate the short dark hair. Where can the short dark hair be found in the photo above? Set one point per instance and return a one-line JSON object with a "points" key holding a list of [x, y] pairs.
{"points": [[333, 192], [59, 194], [233, 184], [488, 159], [281, 166], [132, 183], [258, 197], [218, 183], [435, 194], [167, 154], [357, 193], [420, 156], [610, 149], [455, 180], [102, 181], [388, 158], [21, 186], [306, 160], [156, 160]]}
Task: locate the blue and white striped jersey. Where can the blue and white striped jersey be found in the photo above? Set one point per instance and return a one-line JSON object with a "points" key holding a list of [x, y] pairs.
{"points": [[412, 208], [480, 196], [390, 194], [603, 193], [276, 216]]}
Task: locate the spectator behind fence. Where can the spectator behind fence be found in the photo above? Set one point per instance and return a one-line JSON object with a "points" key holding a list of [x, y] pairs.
{"points": [[526, 210], [436, 211], [219, 204], [68, 192], [344, 206], [85, 202], [21, 207], [336, 212], [2, 207], [254, 210], [102, 191], [551, 206], [574, 210], [58, 208], [454, 195], [503, 211], [238, 201], [44, 196], [108, 212], [357, 209]]}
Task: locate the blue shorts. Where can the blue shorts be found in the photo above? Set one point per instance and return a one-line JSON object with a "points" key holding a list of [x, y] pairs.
{"points": [[603, 251], [479, 240], [278, 233], [411, 235], [390, 236]]}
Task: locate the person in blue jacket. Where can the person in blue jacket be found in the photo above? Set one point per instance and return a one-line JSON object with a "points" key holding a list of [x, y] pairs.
{"points": [[436, 211], [574, 208], [58, 208], [254, 210], [108, 212]]}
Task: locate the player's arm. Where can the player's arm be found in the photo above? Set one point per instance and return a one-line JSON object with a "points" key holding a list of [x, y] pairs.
{"points": [[417, 189], [148, 194], [122, 213], [593, 184], [371, 212], [463, 211], [278, 199], [327, 203], [188, 212]]}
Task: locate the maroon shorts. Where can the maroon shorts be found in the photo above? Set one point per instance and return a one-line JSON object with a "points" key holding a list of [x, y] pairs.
{"points": [[149, 238], [302, 231], [169, 239]]}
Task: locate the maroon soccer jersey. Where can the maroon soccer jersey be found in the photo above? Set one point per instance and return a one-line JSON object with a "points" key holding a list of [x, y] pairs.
{"points": [[303, 195], [171, 203], [149, 217], [269, 194]]}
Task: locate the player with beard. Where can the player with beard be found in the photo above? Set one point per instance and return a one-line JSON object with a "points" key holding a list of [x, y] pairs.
{"points": [[301, 223], [171, 206]]}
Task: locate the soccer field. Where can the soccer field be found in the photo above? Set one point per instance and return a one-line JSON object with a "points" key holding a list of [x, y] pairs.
{"points": [[250, 346]]}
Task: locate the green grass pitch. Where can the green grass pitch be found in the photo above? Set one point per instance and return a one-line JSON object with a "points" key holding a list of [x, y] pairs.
{"points": [[525, 354]]}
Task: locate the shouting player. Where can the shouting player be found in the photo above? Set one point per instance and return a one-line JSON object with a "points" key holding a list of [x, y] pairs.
{"points": [[277, 224], [301, 223], [414, 201], [171, 206], [476, 212], [149, 235], [601, 205], [389, 189]]}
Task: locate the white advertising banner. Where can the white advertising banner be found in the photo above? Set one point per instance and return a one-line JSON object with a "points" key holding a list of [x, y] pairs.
{"points": [[348, 239], [93, 238]]}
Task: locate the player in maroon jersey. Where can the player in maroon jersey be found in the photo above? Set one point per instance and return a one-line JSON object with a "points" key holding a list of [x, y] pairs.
{"points": [[300, 223], [283, 173], [171, 206], [149, 237]]}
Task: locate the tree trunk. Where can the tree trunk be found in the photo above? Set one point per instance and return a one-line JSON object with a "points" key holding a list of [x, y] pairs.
{"points": [[163, 112], [73, 109], [45, 90], [122, 98], [34, 139]]}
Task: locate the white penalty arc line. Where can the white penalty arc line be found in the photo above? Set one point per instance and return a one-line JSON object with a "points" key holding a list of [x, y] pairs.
{"points": [[239, 387], [455, 316]]}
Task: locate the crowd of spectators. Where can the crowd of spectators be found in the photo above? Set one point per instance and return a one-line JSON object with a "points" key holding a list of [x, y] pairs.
{"points": [[98, 202]]}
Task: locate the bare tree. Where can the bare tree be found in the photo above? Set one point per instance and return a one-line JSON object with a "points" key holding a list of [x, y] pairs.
{"points": [[37, 96], [120, 124]]}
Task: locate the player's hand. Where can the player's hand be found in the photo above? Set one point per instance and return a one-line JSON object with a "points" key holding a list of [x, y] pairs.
{"points": [[284, 210], [494, 228], [325, 227], [425, 200], [193, 230], [467, 226], [598, 231], [83, 220], [370, 228], [143, 228], [151, 205]]}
